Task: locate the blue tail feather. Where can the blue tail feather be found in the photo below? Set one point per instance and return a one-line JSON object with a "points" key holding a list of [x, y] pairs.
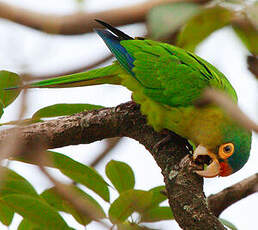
{"points": [[113, 43]]}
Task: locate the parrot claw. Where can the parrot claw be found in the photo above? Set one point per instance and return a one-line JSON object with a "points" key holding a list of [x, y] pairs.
{"points": [[172, 136], [161, 142]]}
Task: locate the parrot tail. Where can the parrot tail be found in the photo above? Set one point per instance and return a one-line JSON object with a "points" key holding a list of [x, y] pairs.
{"points": [[105, 75]]}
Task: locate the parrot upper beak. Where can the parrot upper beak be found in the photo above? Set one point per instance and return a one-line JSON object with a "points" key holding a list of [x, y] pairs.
{"points": [[213, 169]]}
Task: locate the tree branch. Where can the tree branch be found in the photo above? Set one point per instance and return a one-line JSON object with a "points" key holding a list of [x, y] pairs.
{"points": [[184, 188], [221, 99], [79, 23], [252, 62], [222, 200]]}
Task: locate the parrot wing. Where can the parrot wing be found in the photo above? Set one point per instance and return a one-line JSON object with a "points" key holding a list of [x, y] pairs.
{"points": [[171, 75], [167, 74]]}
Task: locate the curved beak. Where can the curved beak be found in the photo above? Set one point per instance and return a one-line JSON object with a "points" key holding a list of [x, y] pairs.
{"points": [[213, 169]]}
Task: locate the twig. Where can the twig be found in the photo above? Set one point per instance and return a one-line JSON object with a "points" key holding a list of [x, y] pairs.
{"points": [[23, 106], [221, 99], [77, 70], [79, 204], [222, 200], [110, 145], [9, 147], [253, 64], [79, 22]]}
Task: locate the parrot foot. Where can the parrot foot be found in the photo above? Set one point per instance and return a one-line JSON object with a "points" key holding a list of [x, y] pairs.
{"points": [[172, 136], [164, 192], [163, 141], [133, 104]]}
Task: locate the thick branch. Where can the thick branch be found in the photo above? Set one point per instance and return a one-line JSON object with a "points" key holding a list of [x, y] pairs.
{"points": [[222, 200], [186, 197], [81, 128], [184, 188], [79, 23]]}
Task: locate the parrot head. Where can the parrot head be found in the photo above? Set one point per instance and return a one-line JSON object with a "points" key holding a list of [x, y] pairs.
{"points": [[229, 153]]}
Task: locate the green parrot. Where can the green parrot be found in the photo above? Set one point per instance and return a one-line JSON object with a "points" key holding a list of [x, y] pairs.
{"points": [[166, 81]]}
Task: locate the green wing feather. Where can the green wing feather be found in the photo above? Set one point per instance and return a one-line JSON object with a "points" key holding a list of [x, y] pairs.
{"points": [[171, 75]]}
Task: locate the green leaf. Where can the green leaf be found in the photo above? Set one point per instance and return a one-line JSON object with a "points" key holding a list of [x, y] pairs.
{"points": [[251, 12], [8, 80], [128, 202], [13, 183], [27, 225], [36, 210], [76, 171], [228, 224], [157, 214], [81, 174], [157, 195], [63, 110], [247, 28], [54, 199], [121, 175], [1, 109], [171, 17], [248, 34], [202, 25], [132, 226], [6, 214], [53, 111]]}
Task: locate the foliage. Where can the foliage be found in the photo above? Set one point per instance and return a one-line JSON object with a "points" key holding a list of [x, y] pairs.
{"points": [[171, 16], [202, 25], [17, 195], [192, 24]]}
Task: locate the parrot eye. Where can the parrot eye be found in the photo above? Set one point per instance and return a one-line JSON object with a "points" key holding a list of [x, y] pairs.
{"points": [[226, 150]]}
